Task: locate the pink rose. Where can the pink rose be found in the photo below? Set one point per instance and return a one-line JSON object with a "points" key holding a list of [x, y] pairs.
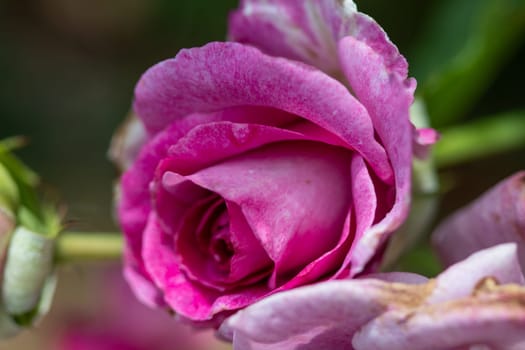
{"points": [[268, 164], [478, 303]]}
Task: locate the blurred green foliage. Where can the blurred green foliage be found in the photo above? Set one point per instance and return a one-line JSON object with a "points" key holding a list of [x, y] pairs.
{"points": [[464, 46]]}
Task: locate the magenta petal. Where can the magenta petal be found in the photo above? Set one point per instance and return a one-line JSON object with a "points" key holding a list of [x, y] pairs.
{"points": [[135, 204], [140, 283], [387, 96], [365, 205], [209, 144], [498, 216], [222, 75], [294, 195], [190, 299]]}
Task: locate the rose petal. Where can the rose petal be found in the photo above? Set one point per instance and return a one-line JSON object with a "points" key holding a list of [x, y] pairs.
{"points": [[222, 75], [135, 204], [248, 264], [499, 262], [397, 277], [191, 300], [211, 143], [140, 282], [387, 96], [365, 202], [493, 320], [498, 216], [321, 316], [295, 196], [309, 31]]}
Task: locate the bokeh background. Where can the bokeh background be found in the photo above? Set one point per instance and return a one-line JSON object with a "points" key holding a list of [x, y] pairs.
{"points": [[68, 68]]}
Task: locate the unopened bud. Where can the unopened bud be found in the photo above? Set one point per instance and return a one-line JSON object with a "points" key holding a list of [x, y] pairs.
{"points": [[29, 263]]}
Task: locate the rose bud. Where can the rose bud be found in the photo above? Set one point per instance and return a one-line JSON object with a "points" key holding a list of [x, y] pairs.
{"points": [[477, 303], [498, 216], [275, 161]]}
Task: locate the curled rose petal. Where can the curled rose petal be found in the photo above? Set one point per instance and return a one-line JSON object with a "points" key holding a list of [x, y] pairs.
{"points": [[498, 216], [309, 31]]}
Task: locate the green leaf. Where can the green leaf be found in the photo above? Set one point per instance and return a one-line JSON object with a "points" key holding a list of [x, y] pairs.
{"points": [[464, 46]]}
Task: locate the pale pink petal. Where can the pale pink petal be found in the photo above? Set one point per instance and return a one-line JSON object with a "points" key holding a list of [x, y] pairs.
{"points": [[222, 75], [498, 216], [499, 262], [492, 319], [397, 277], [387, 96], [321, 316]]}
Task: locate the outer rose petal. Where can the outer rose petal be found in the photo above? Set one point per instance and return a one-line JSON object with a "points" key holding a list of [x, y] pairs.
{"points": [[309, 30], [223, 75], [321, 316], [498, 216], [492, 319], [387, 95], [499, 262]]}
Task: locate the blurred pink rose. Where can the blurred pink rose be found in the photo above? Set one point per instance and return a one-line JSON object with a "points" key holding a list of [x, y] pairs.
{"points": [[498, 216], [478, 303], [268, 164], [122, 323]]}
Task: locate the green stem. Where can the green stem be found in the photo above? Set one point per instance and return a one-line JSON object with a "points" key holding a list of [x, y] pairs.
{"points": [[488, 136], [88, 246]]}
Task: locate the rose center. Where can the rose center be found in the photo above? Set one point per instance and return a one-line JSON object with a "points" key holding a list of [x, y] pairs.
{"points": [[220, 247]]}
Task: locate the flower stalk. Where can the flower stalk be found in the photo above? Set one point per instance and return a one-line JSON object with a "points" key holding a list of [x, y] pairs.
{"points": [[88, 246]]}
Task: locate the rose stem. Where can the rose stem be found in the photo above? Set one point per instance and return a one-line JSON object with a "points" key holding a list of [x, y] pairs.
{"points": [[88, 246], [487, 136]]}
